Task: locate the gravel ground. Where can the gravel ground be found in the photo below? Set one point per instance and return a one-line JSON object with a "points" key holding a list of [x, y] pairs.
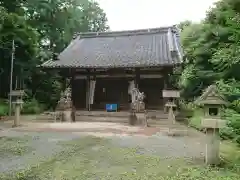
{"points": [[163, 146], [46, 144]]}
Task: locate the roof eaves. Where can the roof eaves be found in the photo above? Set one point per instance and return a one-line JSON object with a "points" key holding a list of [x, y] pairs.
{"points": [[53, 64], [46, 63], [177, 44], [124, 33]]}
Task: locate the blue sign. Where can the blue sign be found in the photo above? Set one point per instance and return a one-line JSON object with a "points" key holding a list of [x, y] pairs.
{"points": [[111, 107]]}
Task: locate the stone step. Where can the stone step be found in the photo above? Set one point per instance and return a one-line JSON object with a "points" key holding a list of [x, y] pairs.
{"points": [[119, 120], [119, 117], [150, 114]]}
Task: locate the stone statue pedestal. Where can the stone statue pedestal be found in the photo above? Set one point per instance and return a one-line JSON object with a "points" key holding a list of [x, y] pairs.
{"points": [[67, 111], [67, 115], [132, 118], [18, 103], [141, 118], [65, 107], [138, 110]]}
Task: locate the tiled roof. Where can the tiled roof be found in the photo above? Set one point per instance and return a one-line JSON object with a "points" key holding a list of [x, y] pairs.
{"points": [[138, 48]]}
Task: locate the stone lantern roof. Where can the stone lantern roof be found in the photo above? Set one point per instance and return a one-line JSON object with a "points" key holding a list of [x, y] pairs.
{"points": [[211, 96]]}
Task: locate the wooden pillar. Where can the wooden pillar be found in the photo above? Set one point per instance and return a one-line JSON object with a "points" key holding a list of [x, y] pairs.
{"points": [[64, 85], [88, 93], [92, 88], [72, 87], [73, 113], [137, 77], [165, 87]]}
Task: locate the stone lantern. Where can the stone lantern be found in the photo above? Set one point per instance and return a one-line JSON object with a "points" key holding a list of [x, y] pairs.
{"points": [[17, 101], [212, 103], [170, 106]]}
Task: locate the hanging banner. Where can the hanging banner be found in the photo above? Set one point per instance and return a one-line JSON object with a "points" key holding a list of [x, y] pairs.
{"points": [[92, 91], [131, 86]]}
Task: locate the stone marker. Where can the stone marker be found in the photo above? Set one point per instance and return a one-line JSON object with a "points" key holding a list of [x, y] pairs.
{"points": [[212, 102]]}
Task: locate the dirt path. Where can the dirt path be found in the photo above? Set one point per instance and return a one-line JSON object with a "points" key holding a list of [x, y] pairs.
{"points": [[44, 141]]}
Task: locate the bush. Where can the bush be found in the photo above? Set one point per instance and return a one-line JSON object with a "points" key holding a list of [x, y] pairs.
{"points": [[195, 120], [233, 122], [227, 133], [3, 108], [32, 107]]}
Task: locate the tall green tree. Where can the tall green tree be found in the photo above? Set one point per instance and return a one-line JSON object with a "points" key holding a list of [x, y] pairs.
{"points": [[14, 27], [42, 28], [212, 50]]}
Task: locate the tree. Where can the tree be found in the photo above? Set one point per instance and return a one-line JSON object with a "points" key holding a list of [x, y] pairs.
{"points": [[42, 28], [212, 50], [14, 27], [184, 24]]}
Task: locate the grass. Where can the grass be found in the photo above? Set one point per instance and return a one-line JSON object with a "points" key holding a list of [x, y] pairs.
{"points": [[230, 152], [96, 158], [195, 120], [13, 146]]}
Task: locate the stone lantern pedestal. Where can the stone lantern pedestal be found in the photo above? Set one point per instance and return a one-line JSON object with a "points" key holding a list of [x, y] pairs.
{"points": [[170, 107], [212, 103], [18, 104], [171, 116]]}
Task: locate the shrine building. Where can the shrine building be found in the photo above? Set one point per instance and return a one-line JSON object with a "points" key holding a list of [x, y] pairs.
{"points": [[105, 66]]}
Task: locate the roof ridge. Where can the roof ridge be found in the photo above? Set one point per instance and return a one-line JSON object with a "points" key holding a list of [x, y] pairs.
{"points": [[125, 32]]}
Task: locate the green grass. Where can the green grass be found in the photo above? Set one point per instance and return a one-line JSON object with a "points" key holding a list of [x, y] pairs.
{"points": [[195, 120], [230, 153], [95, 158], [13, 146]]}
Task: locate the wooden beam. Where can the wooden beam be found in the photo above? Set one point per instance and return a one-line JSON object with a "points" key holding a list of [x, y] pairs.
{"points": [[139, 76], [150, 76], [121, 72]]}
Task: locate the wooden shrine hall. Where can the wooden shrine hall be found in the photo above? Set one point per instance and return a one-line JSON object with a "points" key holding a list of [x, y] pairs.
{"points": [[105, 66]]}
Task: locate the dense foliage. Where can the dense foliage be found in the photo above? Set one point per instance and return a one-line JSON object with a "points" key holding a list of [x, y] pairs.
{"points": [[212, 55], [41, 29]]}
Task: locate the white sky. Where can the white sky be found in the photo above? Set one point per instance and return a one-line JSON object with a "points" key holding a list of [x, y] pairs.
{"points": [[140, 14]]}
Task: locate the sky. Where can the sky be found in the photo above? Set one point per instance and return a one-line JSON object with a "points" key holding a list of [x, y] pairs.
{"points": [[141, 14]]}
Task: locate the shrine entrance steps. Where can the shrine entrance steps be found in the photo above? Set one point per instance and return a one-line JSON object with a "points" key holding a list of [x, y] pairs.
{"points": [[155, 118]]}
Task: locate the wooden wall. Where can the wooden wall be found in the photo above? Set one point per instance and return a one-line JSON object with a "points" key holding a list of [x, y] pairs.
{"points": [[153, 92], [79, 93], [112, 87], [111, 90]]}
